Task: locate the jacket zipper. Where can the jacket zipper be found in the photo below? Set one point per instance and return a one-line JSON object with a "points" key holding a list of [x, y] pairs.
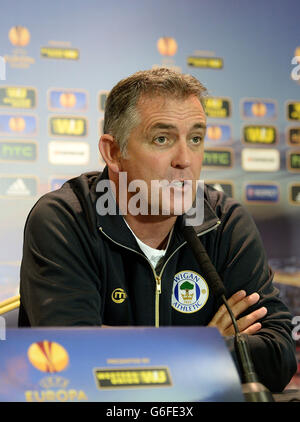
{"points": [[157, 277], [157, 293]]}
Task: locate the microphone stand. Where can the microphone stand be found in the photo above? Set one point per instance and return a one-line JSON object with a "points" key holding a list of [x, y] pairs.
{"points": [[252, 389]]}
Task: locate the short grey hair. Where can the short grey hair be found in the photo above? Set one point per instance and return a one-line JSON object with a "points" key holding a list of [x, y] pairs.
{"points": [[121, 114]]}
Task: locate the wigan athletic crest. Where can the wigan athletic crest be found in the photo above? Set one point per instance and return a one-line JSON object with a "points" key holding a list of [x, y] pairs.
{"points": [[190, 292]]}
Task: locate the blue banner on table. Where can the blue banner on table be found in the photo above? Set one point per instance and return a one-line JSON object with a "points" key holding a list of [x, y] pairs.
{"points": [[119, 364]]}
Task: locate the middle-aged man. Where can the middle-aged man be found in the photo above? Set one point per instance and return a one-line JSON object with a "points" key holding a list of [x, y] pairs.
{"points": [[107, 248]]}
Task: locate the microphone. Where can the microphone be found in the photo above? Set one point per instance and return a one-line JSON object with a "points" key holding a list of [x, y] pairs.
{"points": [[252, 389]]}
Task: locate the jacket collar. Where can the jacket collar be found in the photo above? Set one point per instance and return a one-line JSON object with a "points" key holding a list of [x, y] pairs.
{"points": [[115, 227]]}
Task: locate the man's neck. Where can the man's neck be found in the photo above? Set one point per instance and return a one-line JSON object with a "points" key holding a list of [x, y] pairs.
{"points": [[153, 231]]}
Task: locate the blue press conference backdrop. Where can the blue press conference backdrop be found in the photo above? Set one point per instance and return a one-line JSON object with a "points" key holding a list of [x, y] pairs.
{"points": [[63, 57]]}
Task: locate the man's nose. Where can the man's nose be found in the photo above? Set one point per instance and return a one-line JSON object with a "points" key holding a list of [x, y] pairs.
{"points": [[181, 156]]}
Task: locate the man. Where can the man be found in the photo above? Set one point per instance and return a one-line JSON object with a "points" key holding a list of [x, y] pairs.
{"points": [[86, 262]]}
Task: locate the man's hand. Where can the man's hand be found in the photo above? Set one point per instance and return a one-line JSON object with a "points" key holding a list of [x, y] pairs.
{"points": [[239, 302]]}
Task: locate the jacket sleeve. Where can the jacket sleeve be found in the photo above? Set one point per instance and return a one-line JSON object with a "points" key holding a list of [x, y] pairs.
{"points": [[242, 264], [59, 277]]}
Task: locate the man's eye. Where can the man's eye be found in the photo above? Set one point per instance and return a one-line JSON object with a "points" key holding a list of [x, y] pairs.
{"points": [[160, 140], [196, 140]]}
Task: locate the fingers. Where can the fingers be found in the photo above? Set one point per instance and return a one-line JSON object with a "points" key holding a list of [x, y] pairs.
{"points": [[244, 304], [236, 297], [248, 324], [222, 313], [250, 320], [239, 303], [254, 328]]}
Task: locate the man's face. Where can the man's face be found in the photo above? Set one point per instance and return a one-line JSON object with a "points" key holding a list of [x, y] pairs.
{"points": [[167, 145]]}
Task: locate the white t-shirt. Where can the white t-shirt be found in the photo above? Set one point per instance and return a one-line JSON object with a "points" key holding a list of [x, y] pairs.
{"points": [[154, 255]]}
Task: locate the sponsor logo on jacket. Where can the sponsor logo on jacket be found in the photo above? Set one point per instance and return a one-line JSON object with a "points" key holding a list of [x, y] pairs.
{"points": [[118, 295]]}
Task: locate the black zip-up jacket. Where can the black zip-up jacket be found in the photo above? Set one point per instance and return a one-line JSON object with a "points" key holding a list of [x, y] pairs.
{"points": [[74, 260]]}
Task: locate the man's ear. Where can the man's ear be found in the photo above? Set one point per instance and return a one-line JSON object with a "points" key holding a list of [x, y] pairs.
{"points": [[110, 151]]}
